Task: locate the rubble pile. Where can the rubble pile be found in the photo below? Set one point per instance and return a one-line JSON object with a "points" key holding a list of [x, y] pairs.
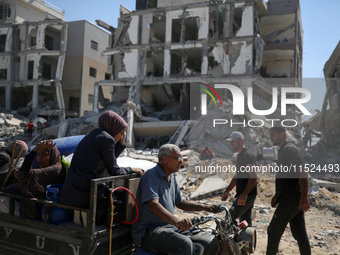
{"points": [[11, 128]]}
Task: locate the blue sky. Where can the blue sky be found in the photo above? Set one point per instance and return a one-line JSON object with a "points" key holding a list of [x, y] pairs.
{"points": [[320, 21]]}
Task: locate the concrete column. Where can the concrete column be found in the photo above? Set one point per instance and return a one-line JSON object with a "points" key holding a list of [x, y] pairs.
{"points": [[8, 92], [167, 61], [23, 68], [36, 67], [130, 136], [205, 62], [41, 36], [9, 40], [61, 59], [95, 97], [35, 96]]}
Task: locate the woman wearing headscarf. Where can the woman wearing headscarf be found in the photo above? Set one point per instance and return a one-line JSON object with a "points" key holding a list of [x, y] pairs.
{"points": [[32, 183], [100, 148]]}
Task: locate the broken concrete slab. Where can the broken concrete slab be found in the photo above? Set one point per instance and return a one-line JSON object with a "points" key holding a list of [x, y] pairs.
{"points": [[193, 179], [211, 185], [326, 184], [51, 131], [9, 120], [130, 162], [314, 190], [181, 180], [134, 155]]}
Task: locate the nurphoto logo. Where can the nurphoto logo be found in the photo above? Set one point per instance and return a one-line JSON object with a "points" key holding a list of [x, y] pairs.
{"points": [[239, 103], [204, 97]]}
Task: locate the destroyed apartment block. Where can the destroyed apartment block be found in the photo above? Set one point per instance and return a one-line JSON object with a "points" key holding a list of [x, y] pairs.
{"points": [[47, 60], [161, 52], [329, 121], [32, 47]]}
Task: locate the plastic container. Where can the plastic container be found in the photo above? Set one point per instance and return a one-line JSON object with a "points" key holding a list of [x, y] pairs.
{"points": [[65, 145], [57, 215]]}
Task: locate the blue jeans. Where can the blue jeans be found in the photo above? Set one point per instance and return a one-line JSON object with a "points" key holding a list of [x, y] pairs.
{"points": [[166, 240]]}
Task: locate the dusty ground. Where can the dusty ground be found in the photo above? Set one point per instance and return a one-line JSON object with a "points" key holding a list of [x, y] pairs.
{"points": [[322, 221]]}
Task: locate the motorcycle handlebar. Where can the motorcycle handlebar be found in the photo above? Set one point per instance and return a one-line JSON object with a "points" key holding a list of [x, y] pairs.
{"points": [[216, 209]]}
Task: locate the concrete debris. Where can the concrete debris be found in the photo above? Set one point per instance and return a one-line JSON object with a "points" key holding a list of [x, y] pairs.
{"points": [[181, 180], [326, 184], [194, 179], [314, 190], [210, 185]]}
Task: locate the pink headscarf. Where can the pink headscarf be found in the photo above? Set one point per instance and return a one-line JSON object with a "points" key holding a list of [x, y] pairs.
{"points": [[111, 122]]}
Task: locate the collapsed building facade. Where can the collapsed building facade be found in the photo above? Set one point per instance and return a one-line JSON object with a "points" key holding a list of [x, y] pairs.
{"points": [[48, 66], [32, 47], [329, 121], [164, 48]]}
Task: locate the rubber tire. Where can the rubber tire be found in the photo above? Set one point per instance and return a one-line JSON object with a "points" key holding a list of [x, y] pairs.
{"points": [[229, 248]]}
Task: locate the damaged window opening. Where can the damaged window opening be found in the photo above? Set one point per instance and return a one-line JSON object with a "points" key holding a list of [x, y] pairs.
{"points": [[212, 62], [176, 61], [47, 71], [157, 29], [190, 29], [48, 42], [237, 19], [33, 35], [186, 62], [107, 76], [5, 10], [191, 26], [25, 95], [52, 38], [121, 61], [2, 97], [167, 102], [2, 43], [49, 66], [155, 63], [193, 61], [74, 103], [216, 26], [176, 30], [47, 93], [30, 66], [3, 74], [33, 41]]}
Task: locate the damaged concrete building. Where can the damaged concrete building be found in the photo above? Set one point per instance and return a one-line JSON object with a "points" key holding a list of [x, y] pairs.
{"points": [[162, 51], [48, 66], [330, 115], [32, 47]]}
